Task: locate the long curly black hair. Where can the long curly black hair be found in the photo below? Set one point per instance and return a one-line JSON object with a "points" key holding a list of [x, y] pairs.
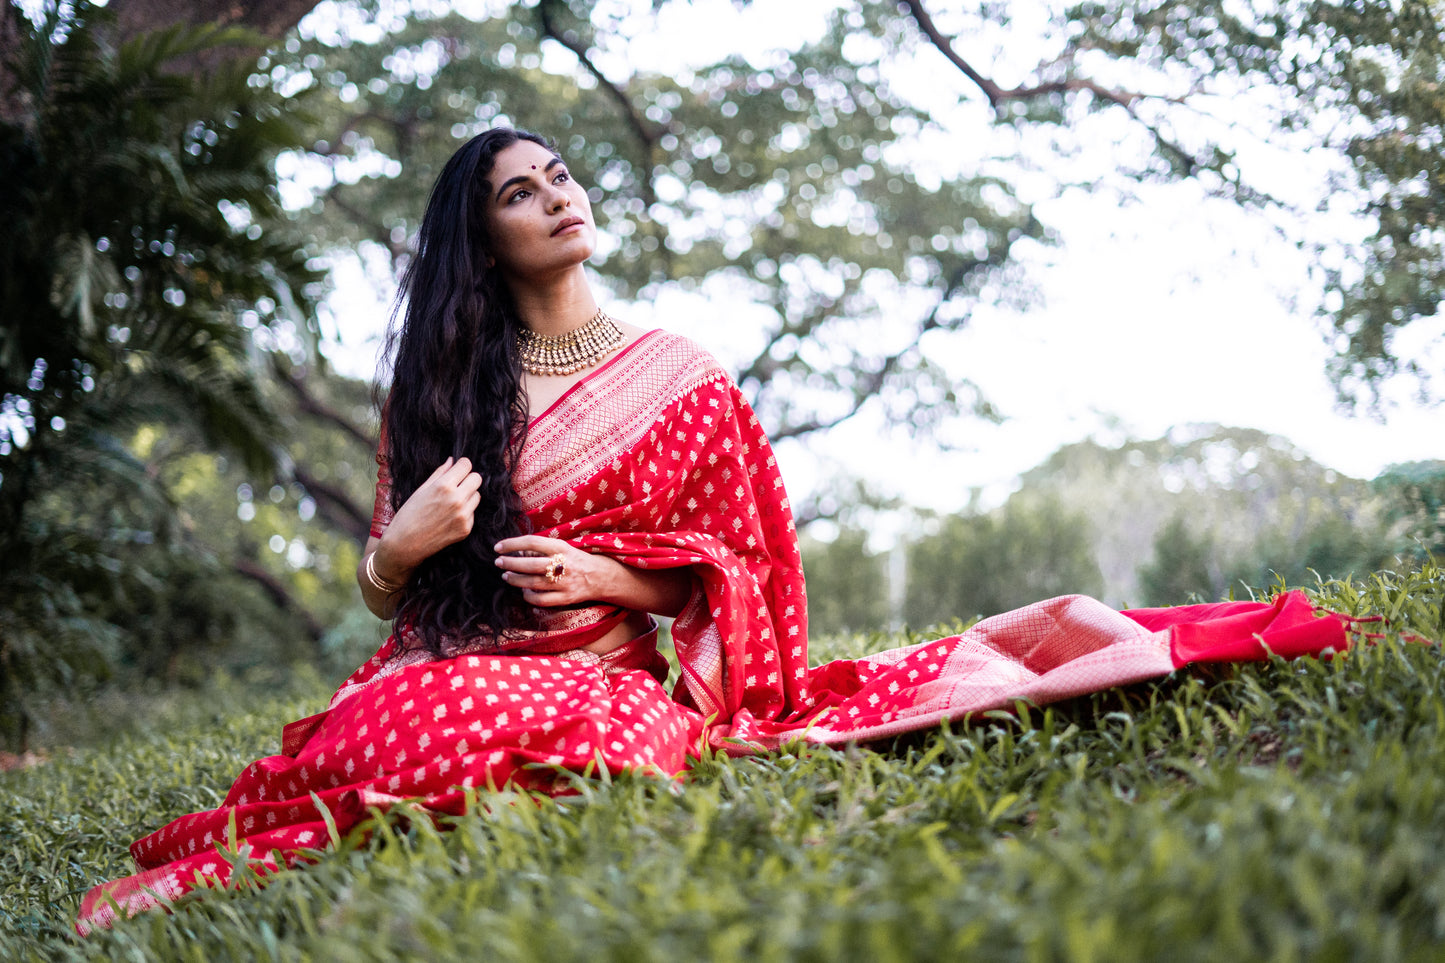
{"points": [[456, 390]]}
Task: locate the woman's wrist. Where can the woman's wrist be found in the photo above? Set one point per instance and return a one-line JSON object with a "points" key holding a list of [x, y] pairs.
{"points": [[619, 582], [385, 573], [661, 591]]}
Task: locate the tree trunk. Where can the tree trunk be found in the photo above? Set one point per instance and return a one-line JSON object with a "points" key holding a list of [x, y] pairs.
{"points": [[13, 26], [269, 18]]}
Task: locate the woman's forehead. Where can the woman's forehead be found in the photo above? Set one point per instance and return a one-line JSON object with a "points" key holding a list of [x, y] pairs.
{"points": [[520, 158]]}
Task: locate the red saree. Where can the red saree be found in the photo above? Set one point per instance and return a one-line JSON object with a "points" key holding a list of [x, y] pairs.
{"points": [[656, 460]]}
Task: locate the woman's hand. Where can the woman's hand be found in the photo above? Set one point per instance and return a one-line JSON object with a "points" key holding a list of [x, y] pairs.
{"points": [[439, 513], [583, 577]]}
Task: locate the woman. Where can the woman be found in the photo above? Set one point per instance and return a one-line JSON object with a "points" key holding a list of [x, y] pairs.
{"points": [[549, 479]]}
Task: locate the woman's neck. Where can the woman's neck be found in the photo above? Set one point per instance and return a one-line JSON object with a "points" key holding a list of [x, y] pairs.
{"points": [[555, 307]]}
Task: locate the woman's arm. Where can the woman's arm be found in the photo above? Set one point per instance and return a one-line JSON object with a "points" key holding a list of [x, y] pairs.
{"points": [[439, 513], [584, 577]]}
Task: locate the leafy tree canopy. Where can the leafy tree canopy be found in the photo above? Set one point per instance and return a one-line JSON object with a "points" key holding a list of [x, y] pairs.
{"points": [[146, 276], [859, 219]]}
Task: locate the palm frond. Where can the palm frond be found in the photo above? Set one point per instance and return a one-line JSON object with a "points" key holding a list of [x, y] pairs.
{"points": [[121, 289]]}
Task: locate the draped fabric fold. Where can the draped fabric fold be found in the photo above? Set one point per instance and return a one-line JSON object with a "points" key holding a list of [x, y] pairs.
{"points": [[657, 461]]}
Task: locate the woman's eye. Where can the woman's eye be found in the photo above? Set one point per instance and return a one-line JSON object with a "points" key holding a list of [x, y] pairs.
{"points": [[517, 196], [562, 178]]}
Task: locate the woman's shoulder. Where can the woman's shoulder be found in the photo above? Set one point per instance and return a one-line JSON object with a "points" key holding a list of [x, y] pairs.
{"points": [[676, 359]]}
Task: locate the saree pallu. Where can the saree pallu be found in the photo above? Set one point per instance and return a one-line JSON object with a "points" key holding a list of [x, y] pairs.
{"points": [[656, 460]]}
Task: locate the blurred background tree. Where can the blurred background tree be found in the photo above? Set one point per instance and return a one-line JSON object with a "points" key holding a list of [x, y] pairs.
{"points": [[1205, 507], [147, 278], [1185, 566], [184, 480], [848, 585], [1414, 495], [1200, 515], [1034, 547], [798, 179]]}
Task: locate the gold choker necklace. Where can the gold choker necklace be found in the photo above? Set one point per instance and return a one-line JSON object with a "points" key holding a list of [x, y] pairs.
{"points": [[564, 354]]}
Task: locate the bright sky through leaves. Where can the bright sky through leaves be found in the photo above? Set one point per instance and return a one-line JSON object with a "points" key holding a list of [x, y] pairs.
{"points": [[1158, 310]]}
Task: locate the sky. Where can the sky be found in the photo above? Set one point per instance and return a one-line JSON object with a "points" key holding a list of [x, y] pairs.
{"points": [[1157, 308]]}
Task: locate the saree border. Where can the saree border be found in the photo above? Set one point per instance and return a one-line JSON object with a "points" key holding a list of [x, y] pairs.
{"points": [[603, 417]]}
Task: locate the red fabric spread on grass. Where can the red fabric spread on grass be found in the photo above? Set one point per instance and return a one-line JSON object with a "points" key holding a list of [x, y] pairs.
{"points": [[1245, 631], [656, 460]]}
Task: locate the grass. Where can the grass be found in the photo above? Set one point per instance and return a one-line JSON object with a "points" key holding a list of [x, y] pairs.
{"points": [[1291, 811]]}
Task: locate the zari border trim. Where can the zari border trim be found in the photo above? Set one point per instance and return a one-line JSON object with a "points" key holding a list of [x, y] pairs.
{"points": [[605, 416]]}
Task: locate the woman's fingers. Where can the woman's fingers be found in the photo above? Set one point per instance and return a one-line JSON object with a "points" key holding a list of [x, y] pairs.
{"points": [[523, 566], [536, 591], [545, 599], [453, 472], [528, 565], [455, 481], [527, 560], [531, 543]]}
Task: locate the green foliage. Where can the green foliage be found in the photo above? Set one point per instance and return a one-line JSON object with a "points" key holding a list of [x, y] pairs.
{"points": [[1194, 516], [1206, 507], [1360, 78], [1033, 548], [847, 585], [783, 175], [1281, 810], [1333, 546], [145, 268], [1415, 494], [775, 180], [1189, 565], [137, 254], [1184, 567]]}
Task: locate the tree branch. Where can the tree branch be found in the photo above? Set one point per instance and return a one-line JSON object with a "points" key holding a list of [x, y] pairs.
{"points": [[763, 366], [314, 406], [366, 222], [279, 594], [645, 131], [997, 95], [335, 505], [925, 23], [14, 28], [873, 383], [269, 19], [870, 386]]}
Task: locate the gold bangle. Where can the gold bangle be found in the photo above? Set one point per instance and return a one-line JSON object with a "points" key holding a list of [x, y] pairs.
{"points": [[390, 588]]}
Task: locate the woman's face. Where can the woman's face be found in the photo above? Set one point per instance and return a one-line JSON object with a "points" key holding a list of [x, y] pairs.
{"points": [[538, 217]]}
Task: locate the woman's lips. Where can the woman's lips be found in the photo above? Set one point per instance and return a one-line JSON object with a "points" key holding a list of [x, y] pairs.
{"points": [[568, 222]]}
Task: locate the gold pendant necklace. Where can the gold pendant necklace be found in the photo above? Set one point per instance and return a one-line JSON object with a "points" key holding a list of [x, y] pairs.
{"points": [[564, 354]]}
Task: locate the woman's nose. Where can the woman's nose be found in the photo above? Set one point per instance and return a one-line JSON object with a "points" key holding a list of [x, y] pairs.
{"points": [[557, 199]]}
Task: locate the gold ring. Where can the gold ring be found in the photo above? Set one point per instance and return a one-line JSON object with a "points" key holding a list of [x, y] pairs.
{"points": [[556, 568]]}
